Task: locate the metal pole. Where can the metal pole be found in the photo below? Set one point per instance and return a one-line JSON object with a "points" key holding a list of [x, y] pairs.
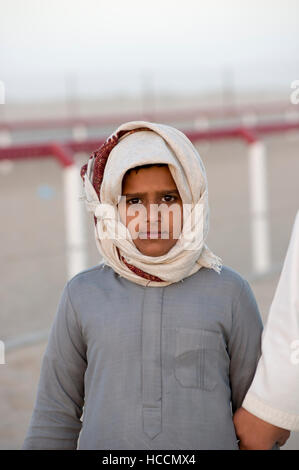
{"points": [[259, 208], [75, 222]]}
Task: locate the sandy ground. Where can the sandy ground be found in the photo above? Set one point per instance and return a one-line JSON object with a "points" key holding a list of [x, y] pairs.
{"points": [[138, 103]]}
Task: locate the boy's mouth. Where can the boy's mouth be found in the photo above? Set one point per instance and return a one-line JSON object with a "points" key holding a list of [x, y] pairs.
{"points": [[151, 234]]}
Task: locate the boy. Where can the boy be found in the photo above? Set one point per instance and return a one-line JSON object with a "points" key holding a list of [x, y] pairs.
{"points": [[160, 342]]}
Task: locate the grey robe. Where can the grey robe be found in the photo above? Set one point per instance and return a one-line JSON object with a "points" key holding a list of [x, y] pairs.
{"points": [[152, 367]]}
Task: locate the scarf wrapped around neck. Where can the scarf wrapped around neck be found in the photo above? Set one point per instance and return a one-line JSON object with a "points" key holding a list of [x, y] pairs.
{"points": [[133, 144]]}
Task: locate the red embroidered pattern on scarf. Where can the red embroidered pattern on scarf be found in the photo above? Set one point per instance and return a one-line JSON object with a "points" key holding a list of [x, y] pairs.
{"points": [[101, 156]]}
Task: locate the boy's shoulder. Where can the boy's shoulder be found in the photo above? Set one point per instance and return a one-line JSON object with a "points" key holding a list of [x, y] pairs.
{"points": [[95, 276], [227, 276], [228, 281]]}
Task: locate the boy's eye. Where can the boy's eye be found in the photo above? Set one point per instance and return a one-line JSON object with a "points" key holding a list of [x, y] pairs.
{"points": [[131, 201], [136, 199], [168, 195]]}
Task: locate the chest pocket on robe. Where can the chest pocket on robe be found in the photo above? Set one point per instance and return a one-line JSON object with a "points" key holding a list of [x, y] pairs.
{"points": [[196, 357]]}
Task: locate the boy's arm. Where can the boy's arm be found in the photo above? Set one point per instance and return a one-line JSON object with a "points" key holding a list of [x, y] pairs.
{"points": [[55, 422], [257, 434], [244, 345]]}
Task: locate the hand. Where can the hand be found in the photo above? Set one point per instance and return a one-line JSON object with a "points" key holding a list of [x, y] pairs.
{"points": [[256, 434]]}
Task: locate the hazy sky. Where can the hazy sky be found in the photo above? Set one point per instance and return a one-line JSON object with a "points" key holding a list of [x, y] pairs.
{"points": [[42, 41]]}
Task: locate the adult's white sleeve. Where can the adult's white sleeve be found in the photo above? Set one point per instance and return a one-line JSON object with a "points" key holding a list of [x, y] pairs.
{"points": [[274, 392]]}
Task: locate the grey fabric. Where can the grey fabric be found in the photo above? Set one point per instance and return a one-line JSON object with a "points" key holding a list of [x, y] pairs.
{"points": [[153, 367]]}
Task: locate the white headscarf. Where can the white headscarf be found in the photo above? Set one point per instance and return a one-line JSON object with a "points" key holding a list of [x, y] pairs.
{"points": [[165, 145]]}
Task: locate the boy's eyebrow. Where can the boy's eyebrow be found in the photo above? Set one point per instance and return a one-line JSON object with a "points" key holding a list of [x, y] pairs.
{"points": [[164, 191]]}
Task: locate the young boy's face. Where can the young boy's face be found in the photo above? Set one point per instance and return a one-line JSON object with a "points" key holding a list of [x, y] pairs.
{"points": [[141, 190]]}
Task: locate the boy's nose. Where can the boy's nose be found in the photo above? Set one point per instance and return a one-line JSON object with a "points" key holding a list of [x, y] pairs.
{"points": [[152, 212]]}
